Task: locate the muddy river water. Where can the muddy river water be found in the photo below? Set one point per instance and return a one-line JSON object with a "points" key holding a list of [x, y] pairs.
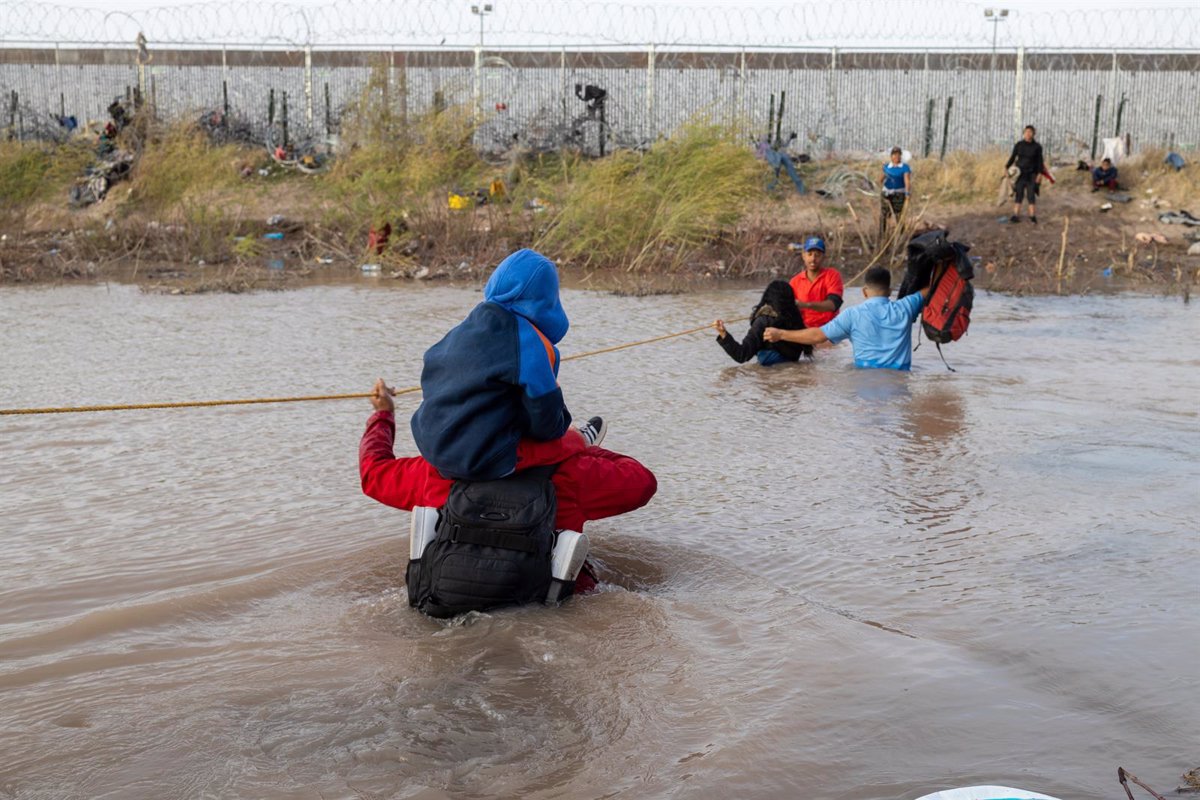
{"points": [[850, 584]]}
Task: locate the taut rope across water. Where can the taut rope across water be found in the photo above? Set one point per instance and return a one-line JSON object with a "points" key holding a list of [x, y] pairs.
{"points": [[308, 398]]}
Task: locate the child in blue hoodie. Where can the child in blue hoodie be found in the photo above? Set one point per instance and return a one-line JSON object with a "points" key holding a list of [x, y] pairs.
{"points": [[491, 402]]}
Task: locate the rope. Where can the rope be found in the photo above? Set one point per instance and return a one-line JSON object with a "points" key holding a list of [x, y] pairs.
{"points": [[646, 341], [259, 400]]}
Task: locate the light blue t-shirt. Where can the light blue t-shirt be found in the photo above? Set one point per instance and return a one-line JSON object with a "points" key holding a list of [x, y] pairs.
{"points": [[879, 330], [894, 175]]}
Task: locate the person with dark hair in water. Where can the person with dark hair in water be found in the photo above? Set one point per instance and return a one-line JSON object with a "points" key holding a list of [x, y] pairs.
{"points": [[776, 309], [879, 330]]}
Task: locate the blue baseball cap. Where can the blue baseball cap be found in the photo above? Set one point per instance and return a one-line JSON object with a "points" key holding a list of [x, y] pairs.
{"points": [[814, 243]]}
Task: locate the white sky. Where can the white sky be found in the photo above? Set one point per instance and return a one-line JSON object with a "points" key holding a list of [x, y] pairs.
{"points": [[1093, 24]]}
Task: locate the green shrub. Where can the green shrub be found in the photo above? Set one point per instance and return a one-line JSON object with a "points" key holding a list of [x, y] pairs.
{"points": [[38, 172]]}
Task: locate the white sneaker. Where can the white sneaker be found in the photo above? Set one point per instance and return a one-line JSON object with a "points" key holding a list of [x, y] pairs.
{"points": [[570, 551], [421, 531], [594, 431]]}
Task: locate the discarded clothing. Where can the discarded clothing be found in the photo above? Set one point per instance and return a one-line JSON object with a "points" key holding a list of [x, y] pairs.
{"points": [[1178, 218]]}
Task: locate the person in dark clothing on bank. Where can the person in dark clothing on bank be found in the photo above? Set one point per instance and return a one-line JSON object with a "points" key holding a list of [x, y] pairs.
{"points": [[1027, 154], [776, 309], [1104, 176]]}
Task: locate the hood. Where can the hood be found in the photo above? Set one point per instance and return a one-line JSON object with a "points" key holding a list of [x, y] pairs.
{"points": [[781, 300], [526, 283]]}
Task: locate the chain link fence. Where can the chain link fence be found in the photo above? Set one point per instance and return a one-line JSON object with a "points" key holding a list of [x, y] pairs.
{"points": [[544, 79]]}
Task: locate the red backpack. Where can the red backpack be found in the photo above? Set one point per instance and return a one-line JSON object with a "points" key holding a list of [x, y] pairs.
{"points": [[934, 260], [947, 315]]}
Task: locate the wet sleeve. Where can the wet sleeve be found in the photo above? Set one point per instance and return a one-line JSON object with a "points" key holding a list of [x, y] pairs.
{"points": [[397, 482], [750, 345], [838, 328], [913, 304]]}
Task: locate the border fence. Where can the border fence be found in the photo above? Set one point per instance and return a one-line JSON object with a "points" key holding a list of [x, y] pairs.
{"points": [[542, 77]]}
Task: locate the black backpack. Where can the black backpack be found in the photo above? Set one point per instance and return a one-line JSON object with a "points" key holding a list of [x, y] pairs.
{"points": [[492, 547], [935, 260], [924, 253]]}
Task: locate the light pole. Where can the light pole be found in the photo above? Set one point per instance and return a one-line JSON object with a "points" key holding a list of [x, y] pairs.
{"points": [[994, 16], [484, 10]]}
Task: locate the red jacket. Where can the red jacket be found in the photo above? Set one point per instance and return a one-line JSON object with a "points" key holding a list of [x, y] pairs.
{"points": [[591, 484]]}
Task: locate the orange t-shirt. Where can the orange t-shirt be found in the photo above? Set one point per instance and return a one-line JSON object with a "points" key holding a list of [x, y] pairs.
{"points": [[829, 281]]}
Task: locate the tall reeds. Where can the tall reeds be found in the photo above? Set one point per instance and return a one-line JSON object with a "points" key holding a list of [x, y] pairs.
{"points": [[655, 210]]}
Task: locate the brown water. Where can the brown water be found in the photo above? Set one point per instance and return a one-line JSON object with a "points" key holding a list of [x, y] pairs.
{"points": [[850, 585]]}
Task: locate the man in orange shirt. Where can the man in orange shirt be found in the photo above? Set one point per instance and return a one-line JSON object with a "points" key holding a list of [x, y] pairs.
{"points": [[818, 289]]}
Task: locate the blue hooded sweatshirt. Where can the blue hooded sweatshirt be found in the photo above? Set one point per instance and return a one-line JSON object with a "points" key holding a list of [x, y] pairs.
{"points": [[493, 378]]}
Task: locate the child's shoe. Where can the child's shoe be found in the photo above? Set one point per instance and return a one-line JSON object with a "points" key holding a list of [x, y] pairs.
{"points": [[594, 431]]}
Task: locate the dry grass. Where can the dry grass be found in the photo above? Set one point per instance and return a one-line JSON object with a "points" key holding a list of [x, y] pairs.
{"points": [[961, 178], [35, 173], [178, 167], [1148, 174], [657, 209]]}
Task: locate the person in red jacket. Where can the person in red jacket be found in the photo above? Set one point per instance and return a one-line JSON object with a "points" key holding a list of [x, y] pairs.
{"points": [[593, 483]]}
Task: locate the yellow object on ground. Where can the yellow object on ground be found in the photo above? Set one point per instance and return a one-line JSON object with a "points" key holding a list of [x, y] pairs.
{"points": [[459, 202]]}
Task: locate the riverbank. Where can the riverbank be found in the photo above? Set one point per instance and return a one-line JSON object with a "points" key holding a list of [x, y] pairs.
{"points": [[1070, 250], [197, 217]]}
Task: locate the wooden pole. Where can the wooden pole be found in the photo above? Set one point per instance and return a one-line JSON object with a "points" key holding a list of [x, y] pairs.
{"points": [[1062, 253]]}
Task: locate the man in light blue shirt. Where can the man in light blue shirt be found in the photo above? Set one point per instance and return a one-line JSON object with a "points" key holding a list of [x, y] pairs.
{"points": [[879, 330]]}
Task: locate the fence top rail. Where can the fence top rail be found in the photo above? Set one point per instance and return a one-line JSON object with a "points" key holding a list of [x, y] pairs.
{"points": [[164, 55], [1156, 24], [660, 49]]}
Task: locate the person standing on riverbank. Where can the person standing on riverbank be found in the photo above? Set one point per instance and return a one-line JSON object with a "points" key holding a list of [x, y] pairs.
{"points": [[879, 330], [1027, 155], [896, 187], [818, 288]]}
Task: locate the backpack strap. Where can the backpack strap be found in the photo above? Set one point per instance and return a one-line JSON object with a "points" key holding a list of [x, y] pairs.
{"points": [[549, 347], [939, 349], [545, 472]]}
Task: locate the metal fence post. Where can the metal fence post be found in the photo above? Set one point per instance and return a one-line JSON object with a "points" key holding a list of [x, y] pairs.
{"points": [[562, 85], [832, 101], [651, 129], [62, 103], [400, 80], [740, 119], [929, 108], [1112, 88], [1018, 91], [308, 90], [478, 82]]}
